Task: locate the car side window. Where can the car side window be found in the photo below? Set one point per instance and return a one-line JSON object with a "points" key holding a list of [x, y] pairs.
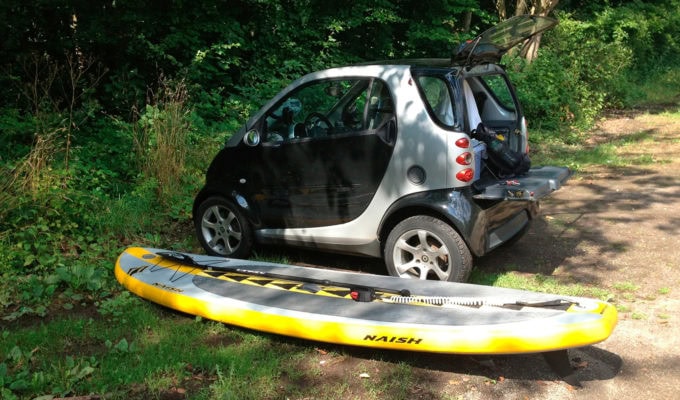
{"points": [[380, 106], [327, 108], [435, 92]]}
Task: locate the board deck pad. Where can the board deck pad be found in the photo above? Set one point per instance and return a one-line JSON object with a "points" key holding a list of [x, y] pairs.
{"points": [[395, 313]]}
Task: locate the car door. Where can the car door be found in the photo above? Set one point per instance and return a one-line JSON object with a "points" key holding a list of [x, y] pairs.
{"points": [[326, 147]]}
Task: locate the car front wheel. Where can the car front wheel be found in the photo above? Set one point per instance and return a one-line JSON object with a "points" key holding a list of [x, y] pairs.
{"points": [[222, 229], [427, 248]]}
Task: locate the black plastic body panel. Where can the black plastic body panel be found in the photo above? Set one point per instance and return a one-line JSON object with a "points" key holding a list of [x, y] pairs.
{"points": [[483, 224]]}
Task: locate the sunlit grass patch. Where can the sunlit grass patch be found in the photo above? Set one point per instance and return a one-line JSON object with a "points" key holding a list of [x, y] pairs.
{"points": [[538, 283], [664, 290], [576, 157], [626, 286]]}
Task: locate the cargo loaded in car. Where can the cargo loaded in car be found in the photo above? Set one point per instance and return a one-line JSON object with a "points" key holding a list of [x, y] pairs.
{"points": [[536, 184]]}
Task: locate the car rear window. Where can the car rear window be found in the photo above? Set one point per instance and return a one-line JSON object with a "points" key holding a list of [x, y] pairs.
{"points": [[498, 86], [436, 94]]}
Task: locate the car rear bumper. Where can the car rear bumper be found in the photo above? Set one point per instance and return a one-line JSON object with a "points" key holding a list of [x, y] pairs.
{"points": [[492, 224]]}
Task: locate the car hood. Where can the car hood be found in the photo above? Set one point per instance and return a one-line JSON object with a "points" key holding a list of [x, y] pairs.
{"points": [[494, 42]]}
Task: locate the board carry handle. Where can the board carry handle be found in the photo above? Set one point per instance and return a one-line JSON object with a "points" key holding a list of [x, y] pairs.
{"points": [[358, 293]]}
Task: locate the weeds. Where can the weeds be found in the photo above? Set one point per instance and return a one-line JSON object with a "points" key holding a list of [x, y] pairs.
{"points": [[160, 136], [626, 286]]}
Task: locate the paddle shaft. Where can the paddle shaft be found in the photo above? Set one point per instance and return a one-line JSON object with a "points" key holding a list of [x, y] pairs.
{"points": [[363, 292]]}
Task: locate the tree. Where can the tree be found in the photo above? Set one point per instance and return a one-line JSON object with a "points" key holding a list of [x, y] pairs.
{"points": [[534, 7]]}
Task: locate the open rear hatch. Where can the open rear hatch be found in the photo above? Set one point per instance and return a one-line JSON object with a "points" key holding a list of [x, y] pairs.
{"points": [[538, 183], [496, 41]]}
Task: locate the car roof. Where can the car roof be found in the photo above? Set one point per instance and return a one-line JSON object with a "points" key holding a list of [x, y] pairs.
{"points": [[413, 62]]}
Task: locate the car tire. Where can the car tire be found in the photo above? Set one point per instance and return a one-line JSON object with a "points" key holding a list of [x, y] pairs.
{"points": [[222, 229], [425, 247]]}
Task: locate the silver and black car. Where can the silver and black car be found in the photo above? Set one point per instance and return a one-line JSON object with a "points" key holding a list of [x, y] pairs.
{"points": [[384, 160]]}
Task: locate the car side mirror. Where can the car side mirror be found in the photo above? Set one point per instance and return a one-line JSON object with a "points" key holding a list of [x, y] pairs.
{"points": [[252, 138]]}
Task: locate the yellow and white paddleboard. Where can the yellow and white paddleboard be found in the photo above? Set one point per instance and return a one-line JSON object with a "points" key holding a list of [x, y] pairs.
{"points": [[364, 310]]}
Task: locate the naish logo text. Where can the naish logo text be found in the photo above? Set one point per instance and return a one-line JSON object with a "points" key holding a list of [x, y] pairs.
{"points": [[166, 287], [393, 339]]}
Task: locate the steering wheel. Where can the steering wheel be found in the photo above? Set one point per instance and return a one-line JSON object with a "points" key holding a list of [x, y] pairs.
{"points": [[314, 121]]}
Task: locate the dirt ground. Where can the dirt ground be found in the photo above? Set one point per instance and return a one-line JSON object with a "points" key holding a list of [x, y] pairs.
{"points": [[617, 228]]}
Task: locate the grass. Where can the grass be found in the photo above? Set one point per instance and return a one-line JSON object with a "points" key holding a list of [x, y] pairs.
{"points": [[552, 148], [578, 158], [538, 283], [626, 286], [159, 349]]}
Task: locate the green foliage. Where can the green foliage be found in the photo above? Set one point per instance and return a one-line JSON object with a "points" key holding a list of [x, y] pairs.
{"points": [[651, 31], [228, 51], [15, 374], [116, 309], [161, 136], [18, 374], [571, 80], [16, 137], [236, 54], [614, 57], [28, 295]]}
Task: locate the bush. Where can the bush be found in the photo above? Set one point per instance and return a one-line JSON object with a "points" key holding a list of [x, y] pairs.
{"points": [[161, 136], [573, 78], [613, 58]]}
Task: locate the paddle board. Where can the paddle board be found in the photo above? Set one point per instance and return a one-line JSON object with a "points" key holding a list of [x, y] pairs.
{"points": [[362, 309]]}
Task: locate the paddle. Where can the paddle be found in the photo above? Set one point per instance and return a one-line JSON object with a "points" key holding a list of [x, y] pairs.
{"points": [[364, 293], [357, 292]]}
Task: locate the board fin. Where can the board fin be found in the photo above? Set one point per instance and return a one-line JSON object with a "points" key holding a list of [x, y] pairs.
{"points": [[559, 362]]}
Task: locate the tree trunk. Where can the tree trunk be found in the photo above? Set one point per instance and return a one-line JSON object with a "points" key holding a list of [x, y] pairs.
{"points": [[501, 10], [521, 6], [542, 8], [467, 22], [534, 7]]}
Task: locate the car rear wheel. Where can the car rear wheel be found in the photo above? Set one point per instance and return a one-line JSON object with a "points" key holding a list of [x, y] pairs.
{"points": [[424, 247], [222, 229]]}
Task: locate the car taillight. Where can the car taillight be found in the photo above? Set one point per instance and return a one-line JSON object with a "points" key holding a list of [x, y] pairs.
{"points": [[465, 175], [463, 143], [464, 159]]}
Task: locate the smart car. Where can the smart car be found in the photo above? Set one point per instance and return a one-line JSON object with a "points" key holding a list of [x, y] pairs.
{"points": [[382, 160]]}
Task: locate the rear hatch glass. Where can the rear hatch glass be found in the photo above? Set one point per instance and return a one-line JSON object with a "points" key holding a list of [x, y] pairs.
{"points": [[496, 41]]}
